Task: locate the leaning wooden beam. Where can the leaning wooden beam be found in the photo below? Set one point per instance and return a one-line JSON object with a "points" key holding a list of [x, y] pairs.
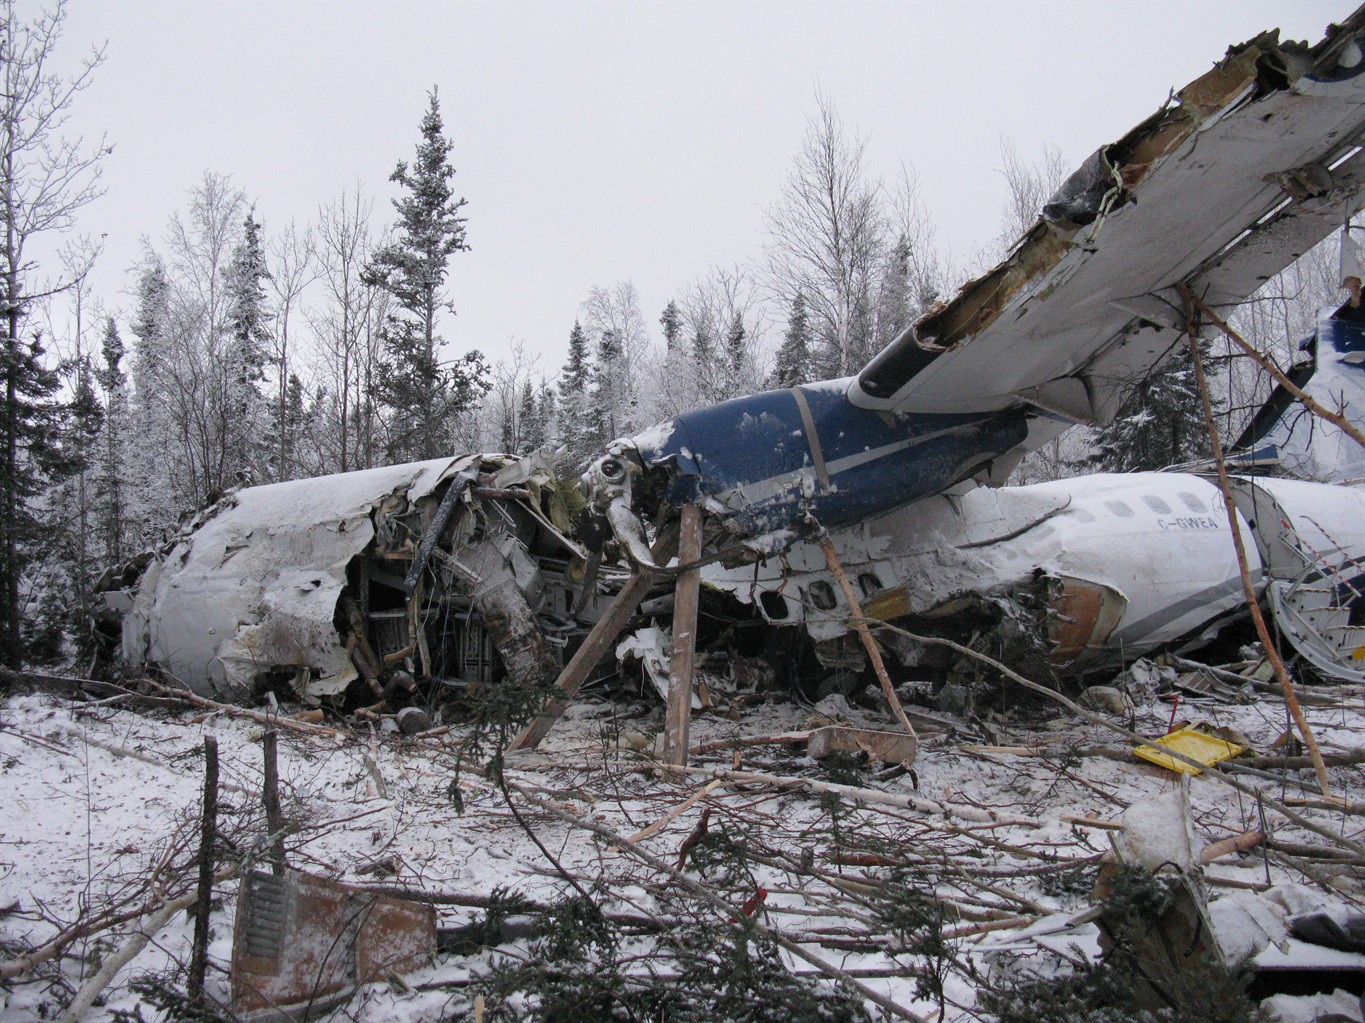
{"points": [[678, 720], [874, 654], [576, 672], [1249, 588], [1266, 363]]}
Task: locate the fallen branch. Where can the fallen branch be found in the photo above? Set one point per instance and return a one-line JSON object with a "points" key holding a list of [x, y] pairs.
{"points": [[271, 720], [745, 741], [929, 806], [56, 945], [1205, 771], [674, 813], [136, 942], [728, 911], [1234, 843]]}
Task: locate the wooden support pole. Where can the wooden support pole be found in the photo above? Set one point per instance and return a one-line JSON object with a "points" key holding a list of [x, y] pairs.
{"points": [[678, 721], [1266, 363], [576, 672], [270, 796], [874, 654], [1248, 587], [208, 830]]}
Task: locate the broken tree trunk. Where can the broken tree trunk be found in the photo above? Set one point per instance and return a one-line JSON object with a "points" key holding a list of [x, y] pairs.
{"points": [[677, 723], [874, 654], [208, 830], [1248, 588], [576, 672], [270, 796]]}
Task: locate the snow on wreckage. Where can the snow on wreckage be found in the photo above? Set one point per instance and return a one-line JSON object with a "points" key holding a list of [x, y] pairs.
{"points": [[319, 582], [465, 568], [373, 576]]}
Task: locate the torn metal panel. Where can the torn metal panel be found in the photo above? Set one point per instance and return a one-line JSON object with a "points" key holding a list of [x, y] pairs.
{"points": [[303, 944], [504, 585], [253, 584], [455, 569], [1196, 198], [1135, 561]]}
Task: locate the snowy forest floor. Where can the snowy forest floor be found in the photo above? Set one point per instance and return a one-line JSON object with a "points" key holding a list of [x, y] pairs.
{"points": [[914, 884]]}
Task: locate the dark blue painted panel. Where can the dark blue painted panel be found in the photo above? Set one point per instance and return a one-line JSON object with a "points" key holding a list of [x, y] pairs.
{"points": [[754, 456]]}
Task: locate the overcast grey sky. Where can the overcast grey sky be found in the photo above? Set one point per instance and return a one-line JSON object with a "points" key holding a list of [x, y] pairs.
{"points": [[603, 142]]}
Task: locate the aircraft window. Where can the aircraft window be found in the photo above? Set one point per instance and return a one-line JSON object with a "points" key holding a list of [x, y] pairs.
{"points": [[1081, 515], [869, 583], [1156, 504], [774, 606], [1120, 509], [1192, 503], [821, 594]]}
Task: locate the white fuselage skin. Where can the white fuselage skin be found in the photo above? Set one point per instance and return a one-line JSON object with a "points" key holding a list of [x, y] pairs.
{"points": [[1161, 541]]}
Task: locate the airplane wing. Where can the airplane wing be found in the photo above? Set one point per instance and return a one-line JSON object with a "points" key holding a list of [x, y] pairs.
{"points": [[1237, 175]]}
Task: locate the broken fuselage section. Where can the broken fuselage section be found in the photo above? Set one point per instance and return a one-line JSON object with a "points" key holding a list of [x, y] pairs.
{"points": [[453, 570]]}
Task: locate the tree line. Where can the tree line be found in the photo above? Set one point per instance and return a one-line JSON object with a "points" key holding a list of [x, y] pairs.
{"points": [[254, 353]]}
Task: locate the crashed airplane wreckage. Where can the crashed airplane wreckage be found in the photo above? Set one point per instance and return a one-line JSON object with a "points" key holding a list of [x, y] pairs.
{"points": [[467, 568]]}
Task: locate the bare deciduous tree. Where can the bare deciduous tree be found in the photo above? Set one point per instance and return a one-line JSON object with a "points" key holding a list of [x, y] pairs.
{"points": [[348, 334], [1030, 185], [294, 268], [827, 236], [185, 379]]}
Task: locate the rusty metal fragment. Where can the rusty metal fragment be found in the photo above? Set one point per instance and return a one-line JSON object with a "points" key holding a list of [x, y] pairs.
{"points": [[303, 945]]}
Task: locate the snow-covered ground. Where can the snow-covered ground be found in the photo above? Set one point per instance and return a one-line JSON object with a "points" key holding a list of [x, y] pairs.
{"points": [[100, 803]]}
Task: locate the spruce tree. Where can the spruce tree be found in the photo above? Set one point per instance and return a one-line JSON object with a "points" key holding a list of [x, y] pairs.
{"points": [[895, 301], [110, 500], [424, 396], [671, 321], [793, 358], [576, 435], [157, 479], [735, 347], [1160, 424], [528, 418], [293, 427], [243, 426], [64, 563], [34, 432], [608, 387]]}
